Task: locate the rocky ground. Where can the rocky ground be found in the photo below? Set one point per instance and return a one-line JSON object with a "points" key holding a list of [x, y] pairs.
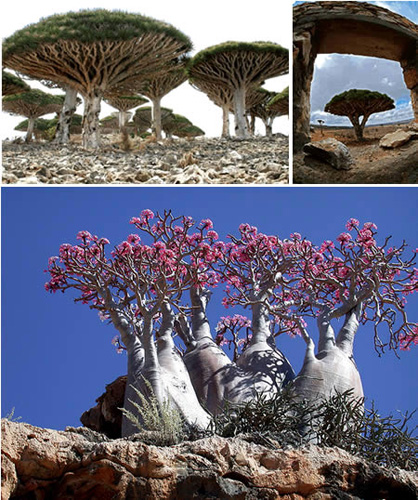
{"points": [[372, 163], [181, 161], [83, 464]]}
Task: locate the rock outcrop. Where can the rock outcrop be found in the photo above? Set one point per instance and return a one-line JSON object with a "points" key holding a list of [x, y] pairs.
{"points": [[79, 463]]}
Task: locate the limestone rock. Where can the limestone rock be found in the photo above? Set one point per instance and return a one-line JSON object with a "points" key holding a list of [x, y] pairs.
{"points": [[331, 151], [43, 463], [396, 139]]}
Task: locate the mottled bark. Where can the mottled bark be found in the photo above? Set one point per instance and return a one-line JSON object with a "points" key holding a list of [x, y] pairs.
{"points": [[241, 128], [156, 118], [29, 132], [91, 129], [225, 120], [62, 133]]}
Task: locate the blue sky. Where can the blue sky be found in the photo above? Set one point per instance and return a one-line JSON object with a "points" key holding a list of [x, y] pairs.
{"points": [[57, 356], [335, 73]]}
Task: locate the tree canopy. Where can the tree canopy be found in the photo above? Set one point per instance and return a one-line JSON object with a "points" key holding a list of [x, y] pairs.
{"points": [[12, 84], [356, 103]]}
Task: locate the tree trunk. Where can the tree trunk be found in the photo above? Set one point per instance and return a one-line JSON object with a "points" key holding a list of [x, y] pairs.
{"points": [[123, 119], [156, 125], [62, 133], [358, 127], [241, 130], [262, 358], [333, 368], [29, 132], [225, 120], [269, 127], [175, 376], [91, 129]]}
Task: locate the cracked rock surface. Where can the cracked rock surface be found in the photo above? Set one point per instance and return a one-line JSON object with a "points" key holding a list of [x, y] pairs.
{"points": [[199, 161], [83, 464]]}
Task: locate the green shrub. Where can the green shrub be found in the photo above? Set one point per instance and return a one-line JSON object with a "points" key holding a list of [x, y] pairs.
{"points": [[163, 420]]}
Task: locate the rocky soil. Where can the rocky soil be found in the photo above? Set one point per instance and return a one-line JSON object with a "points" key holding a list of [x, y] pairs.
{"points": [[181, 161], [79, 463], [372, 163]]}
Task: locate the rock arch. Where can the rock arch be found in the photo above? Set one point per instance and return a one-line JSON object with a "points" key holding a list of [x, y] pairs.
{"points": [[356, 28]]}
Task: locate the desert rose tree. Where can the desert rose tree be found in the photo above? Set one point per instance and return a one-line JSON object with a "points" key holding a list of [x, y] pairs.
{"points": [[238, 67], [93, 51], [358, 106], [32, 105], [158, 282]]}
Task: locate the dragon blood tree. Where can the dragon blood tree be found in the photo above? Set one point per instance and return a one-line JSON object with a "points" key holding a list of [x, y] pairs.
{"points": [[219, 95], [264, 111], [32, 105], [279, 103], [11, 84], [357, 103], [160, 85], [93, 51], [124, 103], [237, 67]]}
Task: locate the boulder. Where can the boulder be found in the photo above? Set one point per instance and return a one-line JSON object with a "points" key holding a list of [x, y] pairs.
{"points": [[44, 463], [398, 138], [105, 417], [331, 151]]}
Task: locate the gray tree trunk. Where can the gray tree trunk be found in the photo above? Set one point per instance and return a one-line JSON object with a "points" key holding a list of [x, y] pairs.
{"points": [[62, 133], [225, 120], [241, 129], [156, 125], [91, 128], [175, 377], [332, 368], [29, 132]]}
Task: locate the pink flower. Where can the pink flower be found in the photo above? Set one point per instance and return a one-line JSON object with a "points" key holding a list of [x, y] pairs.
{"points": [[344, 238], [207, 224], [85, 235], [124, 248], [351, 224], [296, 236], [133, 239], [147, 214], [213, 235]]}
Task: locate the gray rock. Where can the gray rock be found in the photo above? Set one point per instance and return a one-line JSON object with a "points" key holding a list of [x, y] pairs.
{"points": [[398, 138], [331, 151]]}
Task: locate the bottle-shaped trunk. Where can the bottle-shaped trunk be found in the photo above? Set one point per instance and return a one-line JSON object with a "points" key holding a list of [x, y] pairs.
{"points": [[241, 129], [262, 358], [269, 127], [62, 133], [156, 126], [175, 376], [91, 130], [333, 368]]}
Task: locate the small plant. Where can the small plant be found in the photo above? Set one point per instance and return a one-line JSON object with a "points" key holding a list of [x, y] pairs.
{"points": [[10, 416], [164, 420]]}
